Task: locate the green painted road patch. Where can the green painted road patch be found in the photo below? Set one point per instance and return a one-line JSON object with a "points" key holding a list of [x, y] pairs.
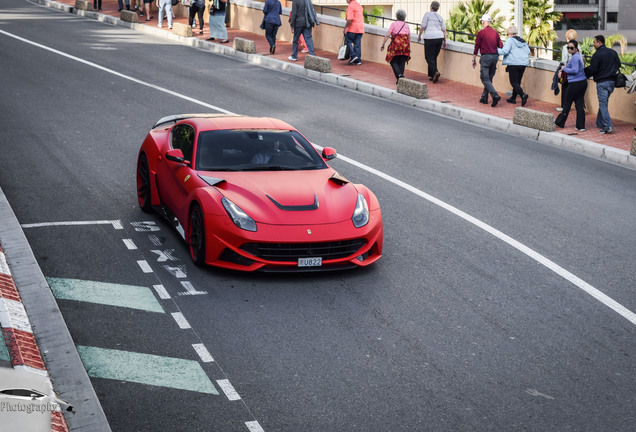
{"points": [[130, 296], [146, 369], [4, 352]]}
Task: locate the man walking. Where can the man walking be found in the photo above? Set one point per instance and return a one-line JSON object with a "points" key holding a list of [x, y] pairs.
{"points": [[603, 68], [302, 19], [486, 43], [354, 29]]}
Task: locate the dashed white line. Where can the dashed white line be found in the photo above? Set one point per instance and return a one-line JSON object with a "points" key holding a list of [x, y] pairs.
{"points": [[145, 267], [203, 352], [253, 426], [161, 291], [130, 244], [228, 390], [181, 321]]}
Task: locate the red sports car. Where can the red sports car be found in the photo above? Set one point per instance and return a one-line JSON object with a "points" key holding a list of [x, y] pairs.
{"points": [[253, 194]]}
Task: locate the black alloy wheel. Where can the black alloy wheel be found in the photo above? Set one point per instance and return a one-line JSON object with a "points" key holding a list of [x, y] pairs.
{"points": [[196, 235], [143, 184]]}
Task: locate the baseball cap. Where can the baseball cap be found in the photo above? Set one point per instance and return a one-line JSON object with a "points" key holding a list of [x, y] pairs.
{"points": [[486, 17]]}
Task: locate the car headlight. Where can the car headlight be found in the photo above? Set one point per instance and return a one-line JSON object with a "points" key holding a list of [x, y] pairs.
{"points": [[238, 216], [361, 214]]}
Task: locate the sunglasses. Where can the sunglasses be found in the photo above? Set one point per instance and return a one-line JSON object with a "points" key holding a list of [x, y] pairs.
{"points": [[571, 48]]}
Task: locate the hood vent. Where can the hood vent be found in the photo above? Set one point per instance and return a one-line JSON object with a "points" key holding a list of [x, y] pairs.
{"points": [[212, 181], [308, 207], [338, 179]]}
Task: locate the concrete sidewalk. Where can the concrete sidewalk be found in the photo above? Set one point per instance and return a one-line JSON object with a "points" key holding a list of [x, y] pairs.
{"points": [[21, 280]]}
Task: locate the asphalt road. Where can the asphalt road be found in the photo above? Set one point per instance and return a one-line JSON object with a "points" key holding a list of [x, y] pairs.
{"points": [[454, 329]]}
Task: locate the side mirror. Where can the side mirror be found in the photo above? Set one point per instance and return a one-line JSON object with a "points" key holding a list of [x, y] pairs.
{"points": [[329, 153], [176, 155]]}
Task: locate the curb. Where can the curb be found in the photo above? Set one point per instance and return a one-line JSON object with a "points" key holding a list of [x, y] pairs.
{"points": [[18, 335], [40, 341]]}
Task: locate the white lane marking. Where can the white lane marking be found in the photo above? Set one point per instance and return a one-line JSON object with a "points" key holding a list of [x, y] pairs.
{"points": [[130, 244], [203, 352], [115, 223], [161, 291], [598, 295], [253, 426], [121, 75], [178, 271], [228, 390], [145, 267], [181, 321], [164, 255], [190, 290]]}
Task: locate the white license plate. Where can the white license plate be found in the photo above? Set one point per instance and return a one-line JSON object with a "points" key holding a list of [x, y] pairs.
{"points": [[310, 262]]}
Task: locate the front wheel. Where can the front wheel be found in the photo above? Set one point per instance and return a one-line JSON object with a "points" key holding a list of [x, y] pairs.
{"points": [[143, 184], [196, 235]]}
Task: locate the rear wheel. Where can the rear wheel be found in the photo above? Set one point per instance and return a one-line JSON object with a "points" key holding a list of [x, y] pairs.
{"points": [[196, 235], [143, 184]]}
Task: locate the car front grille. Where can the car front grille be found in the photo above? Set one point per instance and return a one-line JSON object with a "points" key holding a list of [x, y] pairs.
{"points": [[293, 251]]}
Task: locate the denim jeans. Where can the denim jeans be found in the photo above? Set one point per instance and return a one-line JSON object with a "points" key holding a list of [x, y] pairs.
{"points": [[354, 40], [164, 5], [309, 40], [604, 90]]}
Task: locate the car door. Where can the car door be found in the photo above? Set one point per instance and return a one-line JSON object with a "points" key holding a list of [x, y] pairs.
{"points": [[173, 179]]}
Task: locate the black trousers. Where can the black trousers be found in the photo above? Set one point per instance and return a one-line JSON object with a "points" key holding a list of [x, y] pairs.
{"points": [[198, 11], [515, 74], [432, 47], [398, 63], [564, 90], [576, 95]]}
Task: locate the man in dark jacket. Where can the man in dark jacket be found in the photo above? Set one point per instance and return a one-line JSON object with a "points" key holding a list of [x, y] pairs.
{"points": [[603, 68], [302, 19]]}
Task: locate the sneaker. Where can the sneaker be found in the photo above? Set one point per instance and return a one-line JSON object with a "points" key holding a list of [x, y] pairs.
{"points": [[292, 58], [524, 99], [354, 60], [580, 130], [607, 130], [559, 109], [305, 51], [495, 100], [358, 63]]}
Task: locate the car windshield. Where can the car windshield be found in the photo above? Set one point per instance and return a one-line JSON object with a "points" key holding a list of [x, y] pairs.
{"points": [[255, 150]]}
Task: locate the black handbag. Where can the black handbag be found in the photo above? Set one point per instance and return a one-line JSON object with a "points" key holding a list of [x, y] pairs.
{"points": [[175, 2], [621, 80]]}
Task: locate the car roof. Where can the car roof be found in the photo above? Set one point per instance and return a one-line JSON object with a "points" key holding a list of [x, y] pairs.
{"points": [[225, 121]]}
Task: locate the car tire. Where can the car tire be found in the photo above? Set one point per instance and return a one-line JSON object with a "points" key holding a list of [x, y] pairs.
{"points": [[196, 235], [144, 192]]}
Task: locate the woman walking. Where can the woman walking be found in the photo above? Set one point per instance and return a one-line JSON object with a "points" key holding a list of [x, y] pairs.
{"points": [[217, 21], [577, 85], [434, 31], [516, 58], [271, 22], [196, 8], [399, 51], [565, 58]]}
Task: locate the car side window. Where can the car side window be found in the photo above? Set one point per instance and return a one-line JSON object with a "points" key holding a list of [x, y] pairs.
{"points": [[183, 139]]}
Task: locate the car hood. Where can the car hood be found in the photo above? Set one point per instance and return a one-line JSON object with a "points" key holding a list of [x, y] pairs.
{"points": [[291, 197]]}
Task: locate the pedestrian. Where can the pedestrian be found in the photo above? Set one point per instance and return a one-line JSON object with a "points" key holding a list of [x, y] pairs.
{"points": [[164, 6], [486, 43], [197, 7], [565, 58], [516, 57], [216, 21], [271, 22], [120, 5], [434, 31], [577, 85], [603, 67], [147, 8], [97, 5], [302, 20], [399, 51], [353, 31]]}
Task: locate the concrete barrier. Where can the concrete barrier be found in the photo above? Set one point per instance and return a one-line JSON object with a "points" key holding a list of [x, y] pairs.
{"points": [[320, 64], [633, 150], [83, 5], [128, 16], [409, 87], [181, 29], [533, 119], [244, 45]]}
